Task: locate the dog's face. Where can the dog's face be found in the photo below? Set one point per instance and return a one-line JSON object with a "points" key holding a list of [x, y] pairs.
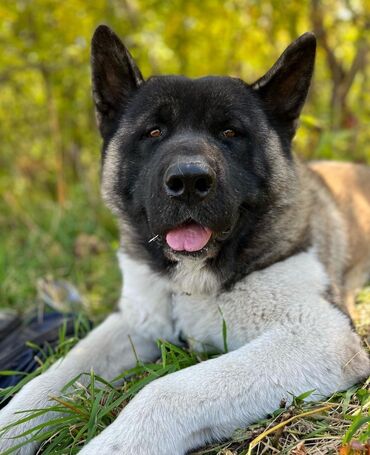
{"points": [[191, 166]]}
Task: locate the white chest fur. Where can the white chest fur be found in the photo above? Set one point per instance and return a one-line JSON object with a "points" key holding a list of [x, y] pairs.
{"points": [[282, 294]]}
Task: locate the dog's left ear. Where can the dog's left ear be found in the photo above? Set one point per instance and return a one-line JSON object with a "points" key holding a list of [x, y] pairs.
{"points": [[283, 89], [115, 77]]}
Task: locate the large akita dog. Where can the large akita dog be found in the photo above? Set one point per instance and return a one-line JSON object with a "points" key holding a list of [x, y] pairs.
{"points": [[216, 213]]}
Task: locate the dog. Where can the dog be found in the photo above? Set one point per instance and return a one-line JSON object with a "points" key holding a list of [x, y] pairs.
{"points": [[218, 219]]}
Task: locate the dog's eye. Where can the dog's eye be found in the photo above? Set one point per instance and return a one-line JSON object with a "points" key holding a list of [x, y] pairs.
{"points": [[228, 133], [156, 132]]}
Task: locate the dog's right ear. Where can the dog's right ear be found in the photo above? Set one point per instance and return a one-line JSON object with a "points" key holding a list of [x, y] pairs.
{"points": [[115, 77]]}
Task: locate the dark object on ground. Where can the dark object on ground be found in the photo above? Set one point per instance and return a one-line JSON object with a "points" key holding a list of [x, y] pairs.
{"points": [[15, 355], [8, 322]]}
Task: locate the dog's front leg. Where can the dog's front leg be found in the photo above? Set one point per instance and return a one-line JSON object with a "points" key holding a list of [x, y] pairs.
{"points": [[210, 400], [107, 349]]}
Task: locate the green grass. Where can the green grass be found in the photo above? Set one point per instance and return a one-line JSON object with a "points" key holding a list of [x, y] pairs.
{"points": [[83, 411], [78, 243]]}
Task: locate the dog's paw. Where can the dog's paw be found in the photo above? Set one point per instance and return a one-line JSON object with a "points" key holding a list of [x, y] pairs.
{"points": [[34, 395], [149, 424]]}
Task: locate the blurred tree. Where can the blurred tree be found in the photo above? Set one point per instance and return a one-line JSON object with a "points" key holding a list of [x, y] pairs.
{"points": [[343, 71]]}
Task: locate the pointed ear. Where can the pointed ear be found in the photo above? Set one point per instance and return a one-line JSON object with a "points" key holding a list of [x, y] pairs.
{"points": [[284, 87], [115, 77]]}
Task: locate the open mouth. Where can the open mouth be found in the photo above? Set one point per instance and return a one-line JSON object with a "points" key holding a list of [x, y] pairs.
{"points": [[189, 237]]}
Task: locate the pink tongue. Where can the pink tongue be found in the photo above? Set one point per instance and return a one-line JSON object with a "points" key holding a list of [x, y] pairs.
{"points": [[191, 237]]}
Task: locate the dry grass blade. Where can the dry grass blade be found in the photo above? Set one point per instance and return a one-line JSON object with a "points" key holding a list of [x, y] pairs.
{"points": [[282, 424]]}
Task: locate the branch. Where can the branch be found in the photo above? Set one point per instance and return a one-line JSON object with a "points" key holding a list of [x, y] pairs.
{"points": [[335, 67], [358, 63]]}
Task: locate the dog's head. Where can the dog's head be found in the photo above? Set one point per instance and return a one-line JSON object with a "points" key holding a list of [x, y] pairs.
{"points": [[191, 166]]}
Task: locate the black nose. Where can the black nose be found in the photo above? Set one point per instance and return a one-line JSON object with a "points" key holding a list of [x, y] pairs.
{"points": [[189, 181]]}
